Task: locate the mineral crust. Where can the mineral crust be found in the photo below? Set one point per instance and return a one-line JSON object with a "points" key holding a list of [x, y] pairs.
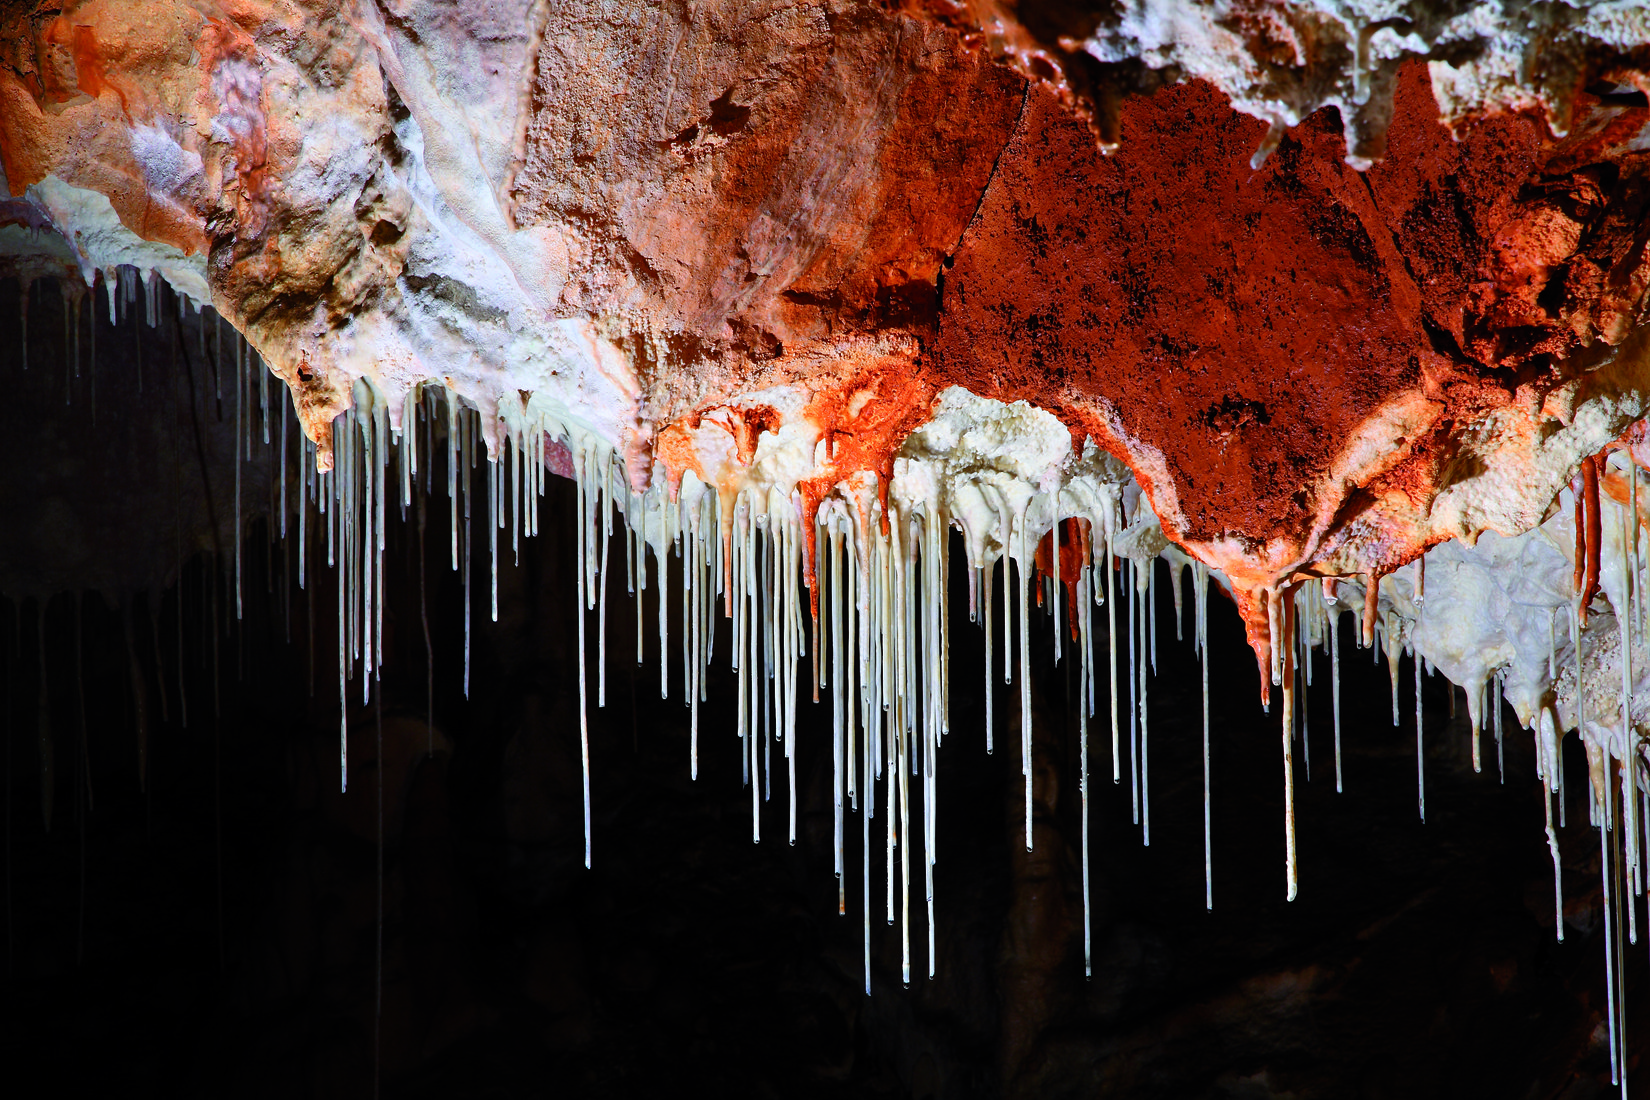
{"points": [[1337, 283]]}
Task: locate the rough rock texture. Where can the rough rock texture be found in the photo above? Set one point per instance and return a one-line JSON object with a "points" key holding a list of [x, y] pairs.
{"points": [[1282, 60], [1303, 382], [830, 249], [637, 214]]}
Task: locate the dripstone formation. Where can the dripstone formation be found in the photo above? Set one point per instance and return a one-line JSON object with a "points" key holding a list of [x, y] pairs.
{"points": [[1338, 305]]}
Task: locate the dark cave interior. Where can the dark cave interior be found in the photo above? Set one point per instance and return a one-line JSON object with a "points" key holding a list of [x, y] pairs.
{"points": [[193, 909]]}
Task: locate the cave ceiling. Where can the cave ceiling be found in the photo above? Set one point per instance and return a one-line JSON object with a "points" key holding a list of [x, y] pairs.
{"points": [[1336, 284], [1297, 291]]}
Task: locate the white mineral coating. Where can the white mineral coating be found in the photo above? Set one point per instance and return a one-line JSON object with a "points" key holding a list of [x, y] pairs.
{"points": [[1505, 605], [1281, 62], [399, 229], [997, 470], [87, 223]]}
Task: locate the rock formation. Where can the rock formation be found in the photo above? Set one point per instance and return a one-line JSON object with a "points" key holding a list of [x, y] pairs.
{"points": [[1342, 302]]}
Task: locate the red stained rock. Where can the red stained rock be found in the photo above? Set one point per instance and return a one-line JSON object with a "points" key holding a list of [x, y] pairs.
{"points": [[1239, 322], [68, 105], [761, 178], [1230, 332], [1296, 361]]}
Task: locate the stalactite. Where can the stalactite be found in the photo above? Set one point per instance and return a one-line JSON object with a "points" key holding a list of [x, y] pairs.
{"points": [[1303, 673], [1495, 707], [985, 590], [862, 591], [876, 628], [1111, 642], [1372, 603], [240, 413], [1335, 686], [1148, 659], [1151, 612], [580, 469], [1549, 769], [1025, 573], [900, 562], [749, 671], [832, 575], [604, 503], [1603, 798], [340, 436], [1589, 536], [692, 597], [887, 688], [1086, 673], [1200, 595], [792, 638], [1054, 564], [1283, 620], [1134, 692], [1420, 755]]}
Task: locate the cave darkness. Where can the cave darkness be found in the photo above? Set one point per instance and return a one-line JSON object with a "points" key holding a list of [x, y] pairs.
{"points": [[201, 916]]}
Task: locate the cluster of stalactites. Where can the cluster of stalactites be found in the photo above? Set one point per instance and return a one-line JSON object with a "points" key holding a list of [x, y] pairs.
{"points": [[845, 603], [1553, 621], [845, 600], [130, 289]]}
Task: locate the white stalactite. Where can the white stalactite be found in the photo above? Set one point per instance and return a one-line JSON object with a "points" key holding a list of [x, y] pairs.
{"points": [[878, 642]]}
